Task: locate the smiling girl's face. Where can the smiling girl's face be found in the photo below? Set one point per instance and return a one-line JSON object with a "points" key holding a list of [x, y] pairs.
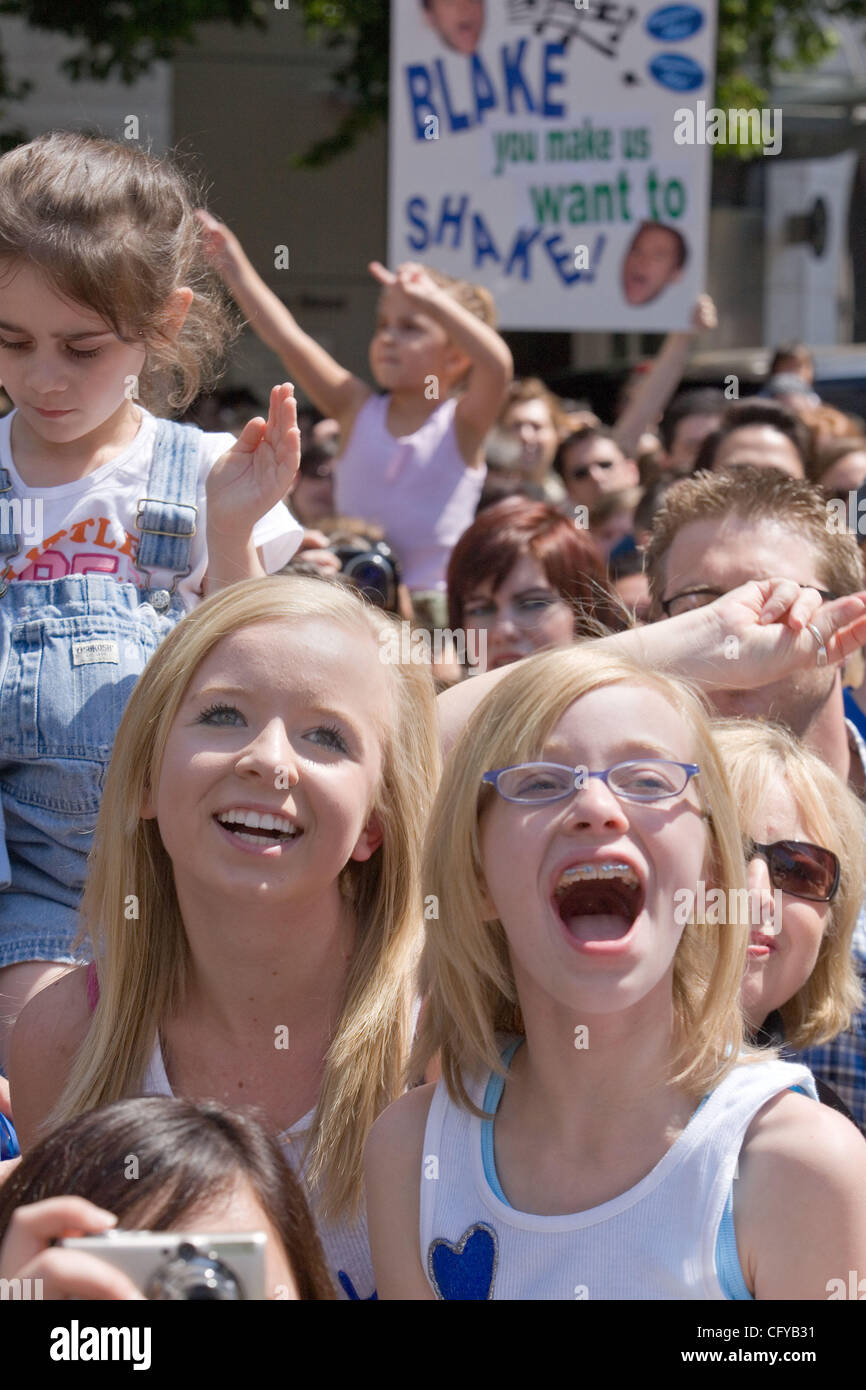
{"points": [[780, 961], [272, 764], [603, 942], [409, 346]]}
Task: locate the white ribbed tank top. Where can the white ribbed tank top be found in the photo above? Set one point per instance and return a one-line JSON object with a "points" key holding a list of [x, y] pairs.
{"points": [[655, 1241], [345, 1243]]}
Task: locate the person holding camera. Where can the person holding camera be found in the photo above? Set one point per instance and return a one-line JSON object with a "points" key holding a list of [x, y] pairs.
{"points": [[199, 1170]]}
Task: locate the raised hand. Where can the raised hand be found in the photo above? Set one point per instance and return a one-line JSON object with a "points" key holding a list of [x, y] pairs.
{"points": [[770, 622], [704, 317], [28, 1251], [258, 471], [410, 277], [222, 248]]}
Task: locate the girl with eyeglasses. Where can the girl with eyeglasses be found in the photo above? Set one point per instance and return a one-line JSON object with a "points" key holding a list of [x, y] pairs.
{"points": [[598, 1094], [523, 578], [806, 839]]}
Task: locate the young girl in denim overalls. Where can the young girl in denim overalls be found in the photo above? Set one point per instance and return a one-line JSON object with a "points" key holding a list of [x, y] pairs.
{"points": [[113, 523]]}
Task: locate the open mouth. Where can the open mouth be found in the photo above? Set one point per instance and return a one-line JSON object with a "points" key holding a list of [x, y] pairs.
{"points": [[598, 902], [259, 828]]}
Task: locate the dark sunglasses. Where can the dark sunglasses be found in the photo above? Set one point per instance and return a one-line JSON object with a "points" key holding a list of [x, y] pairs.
{"points": [[804, 871]]}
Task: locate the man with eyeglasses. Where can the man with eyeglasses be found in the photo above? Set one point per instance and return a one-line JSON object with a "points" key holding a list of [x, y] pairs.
{"points": [[716, 531]]}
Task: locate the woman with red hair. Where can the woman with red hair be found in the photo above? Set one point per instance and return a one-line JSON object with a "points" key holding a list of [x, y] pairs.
{"points": [[524, 578]]}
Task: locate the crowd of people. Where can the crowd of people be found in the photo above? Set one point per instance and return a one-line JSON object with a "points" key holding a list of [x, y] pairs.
{"points": [[480, 973]]}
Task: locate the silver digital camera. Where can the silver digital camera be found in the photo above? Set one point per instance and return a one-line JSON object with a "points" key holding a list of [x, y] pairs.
{"points": [[173, 1266]]}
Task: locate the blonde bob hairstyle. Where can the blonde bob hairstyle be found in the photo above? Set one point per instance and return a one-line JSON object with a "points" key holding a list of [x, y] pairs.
{"points": [[757, 755], [466, 971], [142, 965]]}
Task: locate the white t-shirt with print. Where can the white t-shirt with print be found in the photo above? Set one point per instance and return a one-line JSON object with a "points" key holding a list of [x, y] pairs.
{"points": [[88, 526]]}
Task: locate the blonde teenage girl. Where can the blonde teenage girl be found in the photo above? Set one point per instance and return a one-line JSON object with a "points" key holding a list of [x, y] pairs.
{"points": [[255, 883], [597, 1096]]}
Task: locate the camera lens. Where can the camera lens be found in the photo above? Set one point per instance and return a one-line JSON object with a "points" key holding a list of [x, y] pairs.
{"points": [[194, 1275], [373, 575]]}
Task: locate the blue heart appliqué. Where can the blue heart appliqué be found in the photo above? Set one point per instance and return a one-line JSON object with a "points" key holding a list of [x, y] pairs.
{"points": [[465, 1270]]}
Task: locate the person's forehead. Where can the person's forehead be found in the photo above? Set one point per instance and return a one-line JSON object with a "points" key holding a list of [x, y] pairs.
{"points": [[534, 410], [655, 238], [780, 812], [527, 572], [764, 437], [587, 449], [661, 724], [728, 551]]}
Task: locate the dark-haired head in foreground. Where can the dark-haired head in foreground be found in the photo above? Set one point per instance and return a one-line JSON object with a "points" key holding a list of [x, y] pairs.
{"points": [[191, 1160]]}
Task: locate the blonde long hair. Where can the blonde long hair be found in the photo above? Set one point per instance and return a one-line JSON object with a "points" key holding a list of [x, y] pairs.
{"points": [[143, 965], [466, 970], [756, 755]]}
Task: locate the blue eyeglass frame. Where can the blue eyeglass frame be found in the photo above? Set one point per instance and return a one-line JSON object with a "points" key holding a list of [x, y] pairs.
{"points": [[581, 773]]}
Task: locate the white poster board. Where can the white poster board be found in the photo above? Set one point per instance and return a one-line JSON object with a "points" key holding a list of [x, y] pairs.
{"points": [[532, 141]]}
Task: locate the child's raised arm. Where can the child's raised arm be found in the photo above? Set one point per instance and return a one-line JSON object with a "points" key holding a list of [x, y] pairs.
{"points": [[244, 484], [655, 390], [333, 389], [490, 363]]}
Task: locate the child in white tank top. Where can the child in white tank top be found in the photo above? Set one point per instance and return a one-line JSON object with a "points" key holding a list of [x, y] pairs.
{"points": [[597, 1097]]}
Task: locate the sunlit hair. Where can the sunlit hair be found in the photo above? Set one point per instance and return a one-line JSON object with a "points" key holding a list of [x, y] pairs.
{"points": [[143, 966], [114, 229], [189, 1156], [466, 970], [757, 756], [474, 298], [754, 495]]}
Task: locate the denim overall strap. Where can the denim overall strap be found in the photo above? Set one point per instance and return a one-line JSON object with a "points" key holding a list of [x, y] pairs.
{"points": [[166, 518], [10, 543]]}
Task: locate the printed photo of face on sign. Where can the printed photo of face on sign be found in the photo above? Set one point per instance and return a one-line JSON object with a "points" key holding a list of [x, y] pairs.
{"points": [[655, 259], [459, 23]]}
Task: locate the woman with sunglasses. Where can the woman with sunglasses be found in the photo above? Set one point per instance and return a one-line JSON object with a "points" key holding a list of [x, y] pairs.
{"points": [[805, 840]]}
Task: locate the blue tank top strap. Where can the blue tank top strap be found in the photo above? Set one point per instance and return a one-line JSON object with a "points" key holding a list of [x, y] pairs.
{"points": [[490, 1104], [727, 1258], [167, 516]]}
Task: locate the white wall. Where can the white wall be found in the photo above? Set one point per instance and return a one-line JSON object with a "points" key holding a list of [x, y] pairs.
{"points": [[56, 103]]}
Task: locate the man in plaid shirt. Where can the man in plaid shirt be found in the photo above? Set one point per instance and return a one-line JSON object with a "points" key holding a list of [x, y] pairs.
{"points": [[842, 1062], [715, 531]]}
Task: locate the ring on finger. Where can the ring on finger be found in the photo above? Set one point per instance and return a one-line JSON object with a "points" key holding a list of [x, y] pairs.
{"points": [[822, 648]]}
